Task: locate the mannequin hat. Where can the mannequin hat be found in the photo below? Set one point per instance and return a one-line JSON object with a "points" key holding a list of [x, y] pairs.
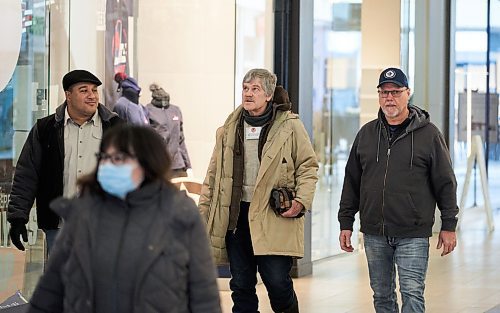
{"points": [[158, 93]]}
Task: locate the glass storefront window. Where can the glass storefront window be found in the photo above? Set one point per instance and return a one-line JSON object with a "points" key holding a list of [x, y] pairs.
{"points": [[408, 40], [107, 36], [469, 96], [22, 101], [336, 83], [254, 39]]}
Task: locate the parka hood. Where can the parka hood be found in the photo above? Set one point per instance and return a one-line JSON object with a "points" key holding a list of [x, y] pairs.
{"points": [[281, 101]]}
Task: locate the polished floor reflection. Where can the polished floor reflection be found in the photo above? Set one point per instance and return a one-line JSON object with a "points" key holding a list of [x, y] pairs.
{"points": [[467, 281]]}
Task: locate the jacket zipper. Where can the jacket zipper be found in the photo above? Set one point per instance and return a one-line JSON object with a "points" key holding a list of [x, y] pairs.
{"points": [[383, 190], [385, 176], [119, 251]]}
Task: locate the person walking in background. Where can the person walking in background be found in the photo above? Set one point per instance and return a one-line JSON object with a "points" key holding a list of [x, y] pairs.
{"points": [[398, 169], [59, 149], [261, 146], [131, 242], [166, 119], [128, 107]]}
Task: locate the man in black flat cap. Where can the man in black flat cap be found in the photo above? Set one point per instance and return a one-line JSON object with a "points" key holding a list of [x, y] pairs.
{"points": [[59, 149]]}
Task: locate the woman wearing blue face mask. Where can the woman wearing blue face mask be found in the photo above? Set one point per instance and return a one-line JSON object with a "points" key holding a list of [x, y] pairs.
{"points": [[131, 242]]}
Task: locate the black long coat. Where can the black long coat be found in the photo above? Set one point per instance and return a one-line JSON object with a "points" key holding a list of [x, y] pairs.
{"points": [[175, 273]]}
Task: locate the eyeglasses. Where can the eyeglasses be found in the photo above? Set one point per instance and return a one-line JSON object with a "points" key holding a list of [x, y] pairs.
{"points": [[115, 158], [395, 93]]}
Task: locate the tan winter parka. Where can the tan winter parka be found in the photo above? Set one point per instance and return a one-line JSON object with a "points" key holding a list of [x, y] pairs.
{"points": [[288, 160]]}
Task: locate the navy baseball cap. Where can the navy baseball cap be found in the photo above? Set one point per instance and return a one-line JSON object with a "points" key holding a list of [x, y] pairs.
{"points": [[393, 75], [79, 76]]}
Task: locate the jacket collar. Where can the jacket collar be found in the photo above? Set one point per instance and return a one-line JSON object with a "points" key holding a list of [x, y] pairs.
{"points": [[277, 136], [234, 117], [281, 117], [418, 118]]}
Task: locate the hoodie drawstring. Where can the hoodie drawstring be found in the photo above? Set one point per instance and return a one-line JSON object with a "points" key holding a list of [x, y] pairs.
{"points": [[411, 158], [378, 143], [412, 146]]}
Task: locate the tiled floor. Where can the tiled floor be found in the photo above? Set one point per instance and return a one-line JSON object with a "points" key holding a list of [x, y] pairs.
{"points": [[466, 281]]}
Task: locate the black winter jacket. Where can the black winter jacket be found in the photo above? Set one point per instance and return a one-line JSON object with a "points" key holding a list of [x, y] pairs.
{"points": [[39, 170], [396, 188], [175, 270]]}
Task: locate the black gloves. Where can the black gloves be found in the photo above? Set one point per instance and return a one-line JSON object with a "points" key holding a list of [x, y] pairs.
{"points": [[17, 230]]}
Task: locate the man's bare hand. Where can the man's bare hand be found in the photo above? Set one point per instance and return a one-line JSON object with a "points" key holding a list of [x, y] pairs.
{"points": [[447, 240], [345, 240], [296, 208]]}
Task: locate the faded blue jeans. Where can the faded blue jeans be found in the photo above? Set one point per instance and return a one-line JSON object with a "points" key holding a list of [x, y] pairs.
{"points": [[50, 238], [410, 256]]}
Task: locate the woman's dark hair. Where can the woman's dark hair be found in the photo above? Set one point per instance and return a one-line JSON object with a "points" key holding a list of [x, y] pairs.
{"points": [[140, 141]]}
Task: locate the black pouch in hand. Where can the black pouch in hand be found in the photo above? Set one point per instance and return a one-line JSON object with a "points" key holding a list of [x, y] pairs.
{"points": [[281, 200]]}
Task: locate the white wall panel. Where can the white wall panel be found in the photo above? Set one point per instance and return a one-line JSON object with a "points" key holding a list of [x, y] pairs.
{"points": [[188, 48]]}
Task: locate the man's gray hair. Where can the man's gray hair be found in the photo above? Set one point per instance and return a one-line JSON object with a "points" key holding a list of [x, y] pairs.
{"points": [[267, 78]]}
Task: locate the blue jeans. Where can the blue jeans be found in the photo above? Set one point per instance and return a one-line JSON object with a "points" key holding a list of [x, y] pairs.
{"points": [[243, 264], [50, 237], [411, 256]]}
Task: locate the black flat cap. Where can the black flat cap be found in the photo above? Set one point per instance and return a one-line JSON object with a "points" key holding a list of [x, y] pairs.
{"points": [[79, 76]]}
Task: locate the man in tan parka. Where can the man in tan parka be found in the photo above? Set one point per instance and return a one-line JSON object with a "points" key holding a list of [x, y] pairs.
{"points": [[261, 146]]}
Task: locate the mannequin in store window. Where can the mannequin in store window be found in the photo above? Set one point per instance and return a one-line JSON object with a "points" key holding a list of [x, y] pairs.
{"points": [[166, 119], [128, 106]]}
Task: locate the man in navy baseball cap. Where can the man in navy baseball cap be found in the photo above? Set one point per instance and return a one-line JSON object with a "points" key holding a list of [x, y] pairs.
{"points": [[79, 76], [399, 170], [394, 95], [393, 75]]}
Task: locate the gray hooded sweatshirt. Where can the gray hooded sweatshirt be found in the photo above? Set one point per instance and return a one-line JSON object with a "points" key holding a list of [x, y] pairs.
{"points": [[395, 187]]}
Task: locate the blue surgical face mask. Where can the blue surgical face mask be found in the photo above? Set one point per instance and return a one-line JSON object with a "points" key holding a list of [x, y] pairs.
{"points": [[116, 179]]}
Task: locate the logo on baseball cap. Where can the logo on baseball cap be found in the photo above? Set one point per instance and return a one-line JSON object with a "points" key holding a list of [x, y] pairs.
{"points": [[393, 75]]}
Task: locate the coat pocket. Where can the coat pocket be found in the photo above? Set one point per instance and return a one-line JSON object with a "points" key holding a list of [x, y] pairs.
{"points": [[286, 170], [400, 209], [370, 206]]}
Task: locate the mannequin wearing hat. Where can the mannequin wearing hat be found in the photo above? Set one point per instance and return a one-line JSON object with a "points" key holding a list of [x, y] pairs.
{"points": [[128, 106], [166, 119]]}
